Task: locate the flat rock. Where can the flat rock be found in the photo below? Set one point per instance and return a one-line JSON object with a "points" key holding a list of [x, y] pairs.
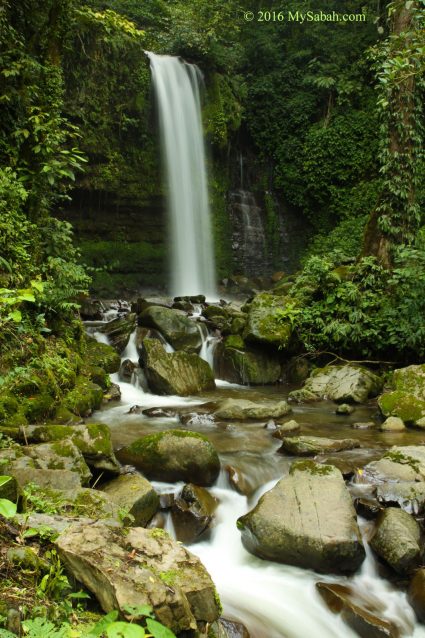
{"points": [[241, 409], [365, 623], [139, 566], [396, 540], [307, 520], [408, 495], [400, 463], [312, 445]]}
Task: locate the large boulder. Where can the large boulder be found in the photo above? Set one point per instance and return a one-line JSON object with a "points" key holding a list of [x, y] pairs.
{"points": [[174, 455], [237, 363], [343, 384], [307, 520], [160, 572], [396, 539], [135, 495], [266, 323], [119, 331], [242, 409], [176, 373], [180, 331], [192, 512], [406, 399], [312, 445], [399, 464]]}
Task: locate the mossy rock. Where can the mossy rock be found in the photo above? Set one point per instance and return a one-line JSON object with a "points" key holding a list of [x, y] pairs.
{"points": [[100, 354], [234, 341], [180, 331], [119, 331], [266, 322], [98, 375], [403, 405], [75, 502], [84, 398], [39, 407], [134, 494], [174, 455], [247, 365]]}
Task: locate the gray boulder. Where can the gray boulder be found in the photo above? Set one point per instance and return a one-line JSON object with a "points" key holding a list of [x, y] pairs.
{"points": [[177, 373], [242, 409], [307, 520], [160, 573], [192, 512], [180, 331], [343, 384], [174, 455], [135, 495], [312, 445], [396, 540]]}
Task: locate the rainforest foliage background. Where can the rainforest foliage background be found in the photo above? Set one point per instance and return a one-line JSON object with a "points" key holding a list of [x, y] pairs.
{"points": [[327, 116]]}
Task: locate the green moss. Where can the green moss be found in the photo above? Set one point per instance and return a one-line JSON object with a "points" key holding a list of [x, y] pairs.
{"points": [[158, 533], [218, 602], [398, 457], [8, 406], [84, 398], [315, 469], [406, 406], [169, 577], [39, 407], [101, 355], [234, 341]]}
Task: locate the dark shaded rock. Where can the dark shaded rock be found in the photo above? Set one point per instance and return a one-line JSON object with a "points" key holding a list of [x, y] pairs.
{"points": [[238, 481], [224, 628], [192, 512], [113, 393], [246, 365], [126, 370], [396, 540], [174, 455], [344, 408], [297, 370], [307, 520], [366, 624], [416, 594], [91, 309], [177, 373], [161, 573], [119, 330], [312, 445], [180, 331], [367, 508], [134, 494], [153, 413]]}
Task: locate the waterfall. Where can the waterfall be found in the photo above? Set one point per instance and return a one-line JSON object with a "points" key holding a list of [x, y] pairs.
{"points": [[177, 87], [249, 238]]}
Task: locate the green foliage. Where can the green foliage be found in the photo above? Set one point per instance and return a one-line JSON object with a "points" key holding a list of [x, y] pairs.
{"points": [[7, 508], [364, 308]]}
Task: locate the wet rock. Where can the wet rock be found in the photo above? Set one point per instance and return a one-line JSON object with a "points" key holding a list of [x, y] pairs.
{"points": [[192, 512], [344, 408], [113, 393], [312, 445], [416, 594], [156, 413], [180, 331], [174, 455], [177, 373], [350, 461], [126, 370], [368, 508], [364, 425], [407, 398], [119, 330], [166, 500], [343, 384], [196, 419], [140, 567], [237, 363], [134, 494], [91, 309], [307, 520], [396, 540], [286, 429], [265, 324], [409, 496], [224, 628], [238, 481], [242, 409], [392, 424], [359, 617]]}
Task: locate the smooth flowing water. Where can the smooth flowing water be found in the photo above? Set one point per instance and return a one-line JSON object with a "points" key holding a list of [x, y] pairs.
{"points": [[177, 89], [272, 600]]}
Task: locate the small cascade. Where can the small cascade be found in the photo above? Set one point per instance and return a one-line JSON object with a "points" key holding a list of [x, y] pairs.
{"points": [[209, 343], [177, 88], [249, 238]]}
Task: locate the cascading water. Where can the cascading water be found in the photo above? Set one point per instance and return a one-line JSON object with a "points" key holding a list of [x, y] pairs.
{"points": [[177, 86]]}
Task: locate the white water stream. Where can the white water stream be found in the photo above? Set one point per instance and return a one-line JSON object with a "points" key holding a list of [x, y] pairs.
{"points": [[177, 86], [272, 600]]}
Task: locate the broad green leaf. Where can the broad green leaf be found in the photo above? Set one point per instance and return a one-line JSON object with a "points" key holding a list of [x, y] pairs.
{"points": [[139, 610], [100, 627], [124, 630], [4, 480], [7, 508], [15, 316], [158, 630]]}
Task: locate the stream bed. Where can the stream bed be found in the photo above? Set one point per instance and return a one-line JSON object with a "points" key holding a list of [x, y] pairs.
{"points": [[272, 600]]}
